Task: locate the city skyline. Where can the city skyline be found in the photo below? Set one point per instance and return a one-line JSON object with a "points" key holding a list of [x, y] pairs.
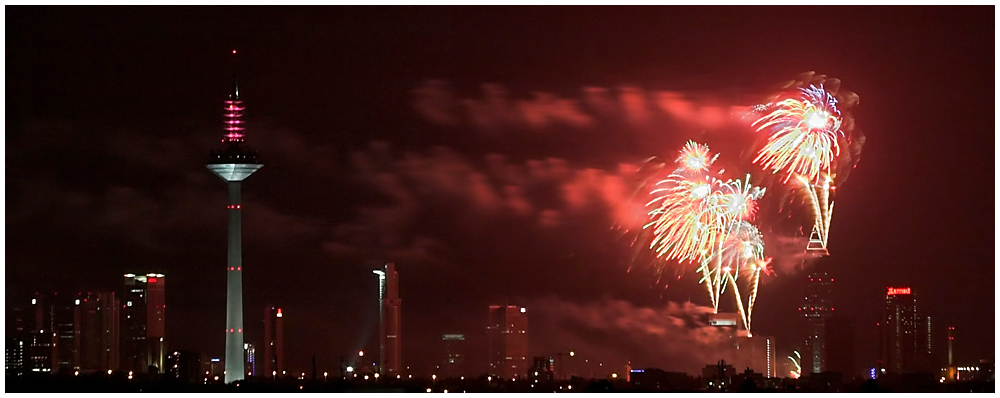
{"points": [[388, 149]]}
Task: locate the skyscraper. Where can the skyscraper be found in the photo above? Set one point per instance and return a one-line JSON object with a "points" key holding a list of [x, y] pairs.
{"points": [[234, 163], [250, 359], [64, 322], [274, 348], [453, 364], [143, 322], [100, 332], [508, 341], [816, 308], [389, 320], [905, 334]]}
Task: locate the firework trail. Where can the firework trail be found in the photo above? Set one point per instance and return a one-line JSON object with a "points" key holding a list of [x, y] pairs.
{"points": [[803, 133], [818, 196], [797, 363]]}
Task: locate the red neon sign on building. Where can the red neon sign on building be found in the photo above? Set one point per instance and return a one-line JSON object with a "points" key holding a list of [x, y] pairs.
{"points": [[898, 290]]}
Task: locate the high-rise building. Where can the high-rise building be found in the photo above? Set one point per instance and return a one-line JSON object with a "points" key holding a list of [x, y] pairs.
{"points": [[249, 359], [100, 332], [454, 355], [389, 320], [16, 351], [508, 341], [143, 323], [18, 316], [63, 333], [30, 335], [905, 334], [817, 307], [185, 366], [274, 348], [756, 352], [743, 350], [233, 164], [64, 321]]}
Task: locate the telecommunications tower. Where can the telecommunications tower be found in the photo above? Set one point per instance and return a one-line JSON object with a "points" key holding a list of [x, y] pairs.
{"points": [[234, 163]]}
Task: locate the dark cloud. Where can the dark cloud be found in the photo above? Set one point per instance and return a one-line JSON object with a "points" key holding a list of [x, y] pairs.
{"points": [[673, 337], [498, 109]]}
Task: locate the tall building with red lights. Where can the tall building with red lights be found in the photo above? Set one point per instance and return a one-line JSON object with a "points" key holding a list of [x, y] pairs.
{"points": [[100, 332], [389, 320], [143, 323], [233, 164], [905, 334], [816, 309], [508, 341], [274, 346]]}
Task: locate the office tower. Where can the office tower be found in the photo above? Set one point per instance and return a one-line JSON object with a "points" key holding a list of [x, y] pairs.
{"points": [[756, 352], [143, 323], [63, 319], [16, 356], [100, 332], [840, 346], [274, 348], [742, 350], [17, 334], [905, 334], [389, 320], [234, 163], [185, 366], [508, 341], [541, 370], [454, 355], [815, 310], [32, 333], [249, 359]]}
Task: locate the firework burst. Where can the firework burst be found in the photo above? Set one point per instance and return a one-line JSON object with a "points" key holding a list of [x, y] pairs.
{"points": [[695, 217], [803, 134]]}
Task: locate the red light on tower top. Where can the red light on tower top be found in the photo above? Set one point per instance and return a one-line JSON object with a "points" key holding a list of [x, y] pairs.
{"points": [[898, 290]]}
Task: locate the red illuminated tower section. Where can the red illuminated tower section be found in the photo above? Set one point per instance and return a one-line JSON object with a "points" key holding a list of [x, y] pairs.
{"points": [[234, 163]]}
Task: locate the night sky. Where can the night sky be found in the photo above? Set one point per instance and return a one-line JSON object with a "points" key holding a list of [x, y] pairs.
{"points": [[486, 152]]}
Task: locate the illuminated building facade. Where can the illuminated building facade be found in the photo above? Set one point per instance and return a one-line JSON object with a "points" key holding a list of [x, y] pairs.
{"points": [[508, 341], [905, 341], [274, 346], [233, 164], [815, 309], [389, 320], [143, 323], [249, 359]]}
